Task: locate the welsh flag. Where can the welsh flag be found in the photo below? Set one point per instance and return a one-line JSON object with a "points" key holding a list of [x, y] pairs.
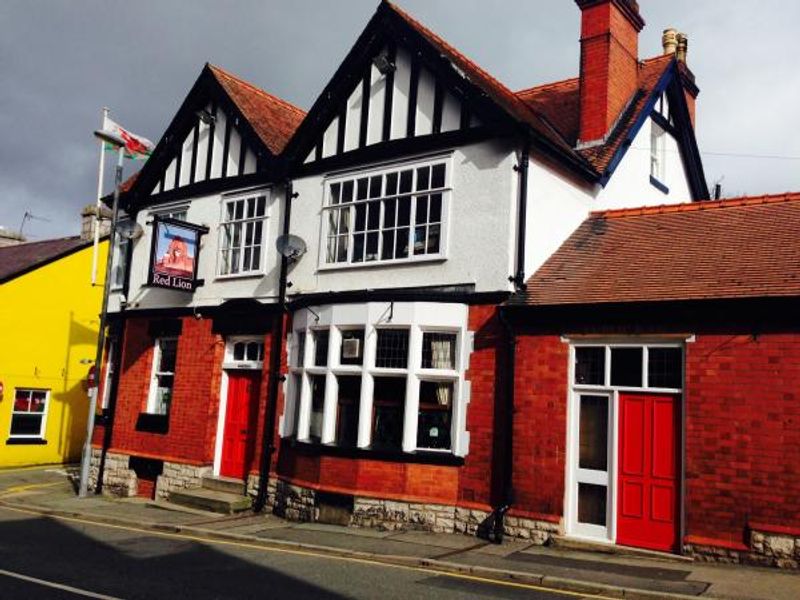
{"points": [[136, 146]]}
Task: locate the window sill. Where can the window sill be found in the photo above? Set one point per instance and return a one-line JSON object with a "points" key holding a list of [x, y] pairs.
{"points": [[151, 423], [381, 263], [237, 276], [658, 185], [428, 457], [22, 441]]}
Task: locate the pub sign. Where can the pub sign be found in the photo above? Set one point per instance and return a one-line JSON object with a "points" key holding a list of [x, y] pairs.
{"points": [[174, 254]]}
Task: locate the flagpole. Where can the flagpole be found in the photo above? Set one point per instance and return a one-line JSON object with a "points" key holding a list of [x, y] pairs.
{"points": [[96, 245]]}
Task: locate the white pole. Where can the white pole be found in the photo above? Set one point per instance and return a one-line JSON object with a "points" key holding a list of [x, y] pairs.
{"points": [[95, 247]]}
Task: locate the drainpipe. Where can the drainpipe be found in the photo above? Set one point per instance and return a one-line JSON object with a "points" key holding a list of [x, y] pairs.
{"points": [[522, 168], [508, 435], [275, 377]]}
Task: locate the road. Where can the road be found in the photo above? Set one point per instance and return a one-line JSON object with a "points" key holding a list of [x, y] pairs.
{"points": [[54, 557]]}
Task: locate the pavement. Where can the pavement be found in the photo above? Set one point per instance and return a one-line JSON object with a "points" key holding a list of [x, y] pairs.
{"points": [[553, 571]]}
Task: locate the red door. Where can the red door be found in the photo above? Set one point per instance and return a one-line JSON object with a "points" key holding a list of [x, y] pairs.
{"points": [[238, 442], [647, 509]]}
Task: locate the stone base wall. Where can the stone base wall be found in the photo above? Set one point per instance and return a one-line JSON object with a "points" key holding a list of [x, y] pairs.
{"points": [[766, 550], [291, 501], [118, 479], [177, 476]]}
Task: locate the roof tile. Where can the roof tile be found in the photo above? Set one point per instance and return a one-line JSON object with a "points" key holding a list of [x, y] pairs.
{"points": [[17, 259]]}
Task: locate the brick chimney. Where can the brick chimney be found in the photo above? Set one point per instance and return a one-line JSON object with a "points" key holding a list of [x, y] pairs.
{"points": [[609, 63]]}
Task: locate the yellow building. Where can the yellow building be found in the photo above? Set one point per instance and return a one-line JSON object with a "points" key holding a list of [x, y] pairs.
{"points": [[49, 319]]}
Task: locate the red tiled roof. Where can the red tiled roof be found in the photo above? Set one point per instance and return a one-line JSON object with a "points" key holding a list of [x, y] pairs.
{"points": [[735, 248], [502, 95], [273, 119], [21, 258], [559, 103]]}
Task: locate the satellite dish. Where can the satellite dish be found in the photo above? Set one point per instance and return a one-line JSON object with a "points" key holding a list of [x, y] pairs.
{"points": [[290, 246], [129, 230]]}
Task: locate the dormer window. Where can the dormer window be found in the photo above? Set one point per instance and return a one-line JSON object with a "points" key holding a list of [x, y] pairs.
{"points": [[390, 215]]}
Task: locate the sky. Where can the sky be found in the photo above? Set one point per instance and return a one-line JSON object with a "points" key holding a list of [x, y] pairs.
{"points": [[61, 61]]}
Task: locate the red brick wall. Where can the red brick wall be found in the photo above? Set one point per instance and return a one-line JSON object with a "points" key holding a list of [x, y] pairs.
{"points": [[742, 433], [540, 424], [476, 483], [609, 67], [742, 396], [195, 401]]}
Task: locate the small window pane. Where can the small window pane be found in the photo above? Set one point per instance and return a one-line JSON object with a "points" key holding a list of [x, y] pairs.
{"points": [[592, 504], [423, 178], [392, 351], [317, 406], [439, 351], [301, 348], [435, 415], [405, 181], [436, 208], [352, 351], [336, 193], [391, 184], [590, 365], [27, 424], [388, 409], [361, 190], [389, 212], [348, 404], [664, 366], [375, 184], [402, 243], [437, 177], [421, 215], [252, 351], [433, 239], [403, 211], [594, 433], [321, 348], [347, 191], [169, 349], [626, 367]]}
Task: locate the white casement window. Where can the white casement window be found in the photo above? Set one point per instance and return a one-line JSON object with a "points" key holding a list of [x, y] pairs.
{"points": [[162, 381], [599, 373], [658, 151], [241, 235], [29, 413], [394, 214], [361, 380], [176, 212]]}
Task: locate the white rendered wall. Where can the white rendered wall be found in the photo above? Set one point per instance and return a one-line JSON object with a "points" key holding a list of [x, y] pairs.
{"points": [[207, 210], [479, 225], [559, 202], [630, 185]]}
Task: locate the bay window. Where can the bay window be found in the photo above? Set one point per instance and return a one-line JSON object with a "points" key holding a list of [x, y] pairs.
{"points": [[360, 381], [395, 214]]}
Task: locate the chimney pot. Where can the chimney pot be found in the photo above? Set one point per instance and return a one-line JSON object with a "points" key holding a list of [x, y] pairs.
{"points": [[670, 41], [683, 47]]}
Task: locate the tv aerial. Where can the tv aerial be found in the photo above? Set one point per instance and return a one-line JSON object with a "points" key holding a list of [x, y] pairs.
{"points": [[129, 230], [290, 246]]}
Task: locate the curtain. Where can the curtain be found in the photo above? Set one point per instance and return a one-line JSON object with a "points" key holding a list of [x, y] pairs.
{"points": [[442, 358]]}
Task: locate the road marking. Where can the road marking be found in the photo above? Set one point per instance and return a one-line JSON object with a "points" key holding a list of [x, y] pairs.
{"points": [[18, 489], [312, 553], [58, 586], [22, 469]]}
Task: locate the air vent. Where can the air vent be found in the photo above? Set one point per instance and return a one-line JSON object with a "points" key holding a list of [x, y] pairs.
{"points": [[351, 348]]}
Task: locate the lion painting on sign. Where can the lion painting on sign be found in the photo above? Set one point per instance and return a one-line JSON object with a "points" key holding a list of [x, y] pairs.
{"points": [[176, 260]]}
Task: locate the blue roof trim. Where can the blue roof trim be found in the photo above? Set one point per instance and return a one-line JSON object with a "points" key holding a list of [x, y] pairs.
{"points": [[666, 78]]}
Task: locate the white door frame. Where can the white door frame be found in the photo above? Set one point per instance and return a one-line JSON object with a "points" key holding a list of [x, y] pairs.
{"points": [[229, 364]]}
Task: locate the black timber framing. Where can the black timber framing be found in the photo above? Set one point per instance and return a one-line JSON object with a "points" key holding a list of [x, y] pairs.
{"points": [[195, 138], [205, 89], [388, 97]]}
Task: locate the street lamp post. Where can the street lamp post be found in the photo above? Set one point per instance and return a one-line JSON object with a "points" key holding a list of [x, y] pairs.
{"points": [[104, 136]]}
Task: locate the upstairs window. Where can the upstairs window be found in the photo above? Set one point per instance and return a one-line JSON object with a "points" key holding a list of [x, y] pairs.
{"points": [[391, 215], [242, 235], [658, 150]]}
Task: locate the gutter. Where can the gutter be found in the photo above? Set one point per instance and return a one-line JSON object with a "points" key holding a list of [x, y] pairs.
{"points": [[275, 377]]}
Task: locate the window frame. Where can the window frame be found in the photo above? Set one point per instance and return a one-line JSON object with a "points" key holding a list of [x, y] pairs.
{"points": [[382, 171], [44, 413], [658, 152], [575, 475], [264, 219], [155, 373]]}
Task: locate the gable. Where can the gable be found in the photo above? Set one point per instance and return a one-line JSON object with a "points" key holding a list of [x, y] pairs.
{"points": [[407, 101], [209, 151]]}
